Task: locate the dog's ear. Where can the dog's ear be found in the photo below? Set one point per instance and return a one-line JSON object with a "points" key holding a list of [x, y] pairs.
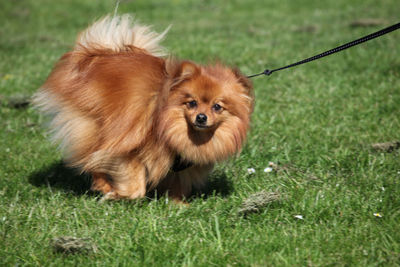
{"points": [[188, 69], [180, 70], [247, 85], [243, 80]]}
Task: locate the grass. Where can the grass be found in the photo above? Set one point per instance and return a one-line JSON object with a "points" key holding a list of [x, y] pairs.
{"points": [[316, 121]]}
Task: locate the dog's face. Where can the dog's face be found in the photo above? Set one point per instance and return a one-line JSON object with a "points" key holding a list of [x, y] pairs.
{"points": [[204, 105], [207, 111]]}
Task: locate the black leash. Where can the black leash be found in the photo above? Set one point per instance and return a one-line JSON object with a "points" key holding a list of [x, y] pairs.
{"points": [[334, 50]]}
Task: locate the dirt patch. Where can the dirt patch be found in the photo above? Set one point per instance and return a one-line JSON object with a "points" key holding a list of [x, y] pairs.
{"points": [[386, 147], [17, 101], [306, 28], [258, 201], [72, 245], [368, 22]]}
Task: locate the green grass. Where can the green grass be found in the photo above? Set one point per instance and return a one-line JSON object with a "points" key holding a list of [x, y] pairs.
{"points": [[320, 119]]}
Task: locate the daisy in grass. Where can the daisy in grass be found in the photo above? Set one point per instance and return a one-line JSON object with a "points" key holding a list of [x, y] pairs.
{"points": [[251, 170]]}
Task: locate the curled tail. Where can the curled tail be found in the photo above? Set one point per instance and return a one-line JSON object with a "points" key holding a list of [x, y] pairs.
{"points": [[119, 33]]}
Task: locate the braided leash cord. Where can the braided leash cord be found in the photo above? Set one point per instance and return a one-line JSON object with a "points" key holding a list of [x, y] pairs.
{"points": [[334, 50]]}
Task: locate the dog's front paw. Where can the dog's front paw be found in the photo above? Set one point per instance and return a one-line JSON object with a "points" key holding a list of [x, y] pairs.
{"points": [[110, 196]]}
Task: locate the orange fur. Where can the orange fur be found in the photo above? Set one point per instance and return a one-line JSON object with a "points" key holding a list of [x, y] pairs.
{"points": [[123, 113]]}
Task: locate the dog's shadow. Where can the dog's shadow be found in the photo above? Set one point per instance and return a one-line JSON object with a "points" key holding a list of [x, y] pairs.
{"points": [[218, 184], [60, 177]]}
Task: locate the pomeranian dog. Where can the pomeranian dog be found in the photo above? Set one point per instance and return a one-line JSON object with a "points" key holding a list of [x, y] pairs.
{"points": [[134, 119]]}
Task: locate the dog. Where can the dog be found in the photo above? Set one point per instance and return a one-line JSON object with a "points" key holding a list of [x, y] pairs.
{"points": [[137, 119]]}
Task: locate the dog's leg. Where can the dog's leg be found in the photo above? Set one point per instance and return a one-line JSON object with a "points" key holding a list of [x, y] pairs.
{"points": [[177, 188], [180, 184], [101, 183], [180, 189], [130, 181]]}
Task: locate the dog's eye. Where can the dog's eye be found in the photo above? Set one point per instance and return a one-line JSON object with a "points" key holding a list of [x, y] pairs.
{"points": [[217, 107], [192, 104]]}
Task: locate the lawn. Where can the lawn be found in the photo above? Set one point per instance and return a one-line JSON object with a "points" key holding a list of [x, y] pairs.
{"points": [[316, 123]]}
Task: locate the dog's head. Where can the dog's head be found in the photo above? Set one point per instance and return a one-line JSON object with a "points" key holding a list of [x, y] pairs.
{"points": [[205, 112]]}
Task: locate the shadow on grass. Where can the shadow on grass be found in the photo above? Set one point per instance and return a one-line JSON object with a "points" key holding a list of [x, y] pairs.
{"points": [[59, 176], [218, 185]]}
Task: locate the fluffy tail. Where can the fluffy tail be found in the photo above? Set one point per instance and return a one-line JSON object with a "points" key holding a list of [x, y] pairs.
{"points": [[118, 33]]}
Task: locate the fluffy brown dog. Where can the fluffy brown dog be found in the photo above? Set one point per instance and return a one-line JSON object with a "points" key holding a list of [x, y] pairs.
{"points": [[125, 114]]}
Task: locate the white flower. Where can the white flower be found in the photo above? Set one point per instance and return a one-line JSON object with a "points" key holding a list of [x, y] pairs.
{"points": [[383, 189], [268, 169], [378, 215], [300, 217], [251, 170]]}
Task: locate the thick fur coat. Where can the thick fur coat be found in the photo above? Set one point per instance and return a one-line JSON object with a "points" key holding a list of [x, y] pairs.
{"points": [[123, 112]]}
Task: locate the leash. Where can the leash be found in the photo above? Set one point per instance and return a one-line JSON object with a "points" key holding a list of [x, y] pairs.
{"points": [[334, 50], [180, 165]]}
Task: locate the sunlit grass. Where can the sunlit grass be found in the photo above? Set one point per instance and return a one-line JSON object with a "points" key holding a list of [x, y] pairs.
{"points": [[316, 122]]}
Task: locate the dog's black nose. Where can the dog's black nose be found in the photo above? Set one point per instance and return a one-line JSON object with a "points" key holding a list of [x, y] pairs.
{"points": [[201, 118]]}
